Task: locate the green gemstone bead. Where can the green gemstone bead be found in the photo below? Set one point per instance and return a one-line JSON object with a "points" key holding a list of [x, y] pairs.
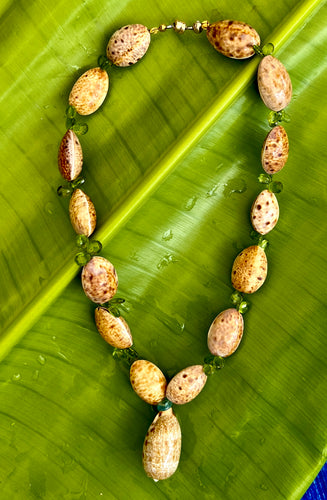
{"points": [[264, 178], [82, 258], [63, 191], [164, 405], [128, 355], [114, 311], [263, 243], [79, 181], [236, 297], [80, 128], [82, 241], [70, 122], [212, 364], [243, 307], [70, 112], [276, 187], [268, 49], [95, 247], [104, 63]]}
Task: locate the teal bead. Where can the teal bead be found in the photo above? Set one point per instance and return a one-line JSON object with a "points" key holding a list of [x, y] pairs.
{"points": [[164, 405]]}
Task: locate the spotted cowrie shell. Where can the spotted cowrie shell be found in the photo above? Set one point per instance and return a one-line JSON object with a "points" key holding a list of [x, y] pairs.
{"points": [[249, 269], [128, 45], [82, 213], [99, 280], [70, 156], [274, 83], [162, 446], [89, 91], [113, 330], [275, 149], [264, 212], [186, 385], [225, 333], [148, 381], [233, 39]]}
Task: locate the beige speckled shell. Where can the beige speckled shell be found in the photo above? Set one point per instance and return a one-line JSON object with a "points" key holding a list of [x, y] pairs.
{"points": [[162, 446], [186, 385], [70, 156], [128, 45], [249, 269], [274, 152], [264, 212], [82, 213], [99, 280], [148, 381], [114, 330], [274, 83], [225, 333], [89, 91], [233, 39]]}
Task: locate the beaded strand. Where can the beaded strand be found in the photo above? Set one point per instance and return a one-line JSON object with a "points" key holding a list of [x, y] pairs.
{"points": [[237, 40]]}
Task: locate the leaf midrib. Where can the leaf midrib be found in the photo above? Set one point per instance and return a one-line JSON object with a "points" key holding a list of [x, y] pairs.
{"points": [[160, 171]]}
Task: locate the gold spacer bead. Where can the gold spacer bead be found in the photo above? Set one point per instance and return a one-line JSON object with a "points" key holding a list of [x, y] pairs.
{"points": [[205, 25], [162, 27], [197, 27], [179, 26]]}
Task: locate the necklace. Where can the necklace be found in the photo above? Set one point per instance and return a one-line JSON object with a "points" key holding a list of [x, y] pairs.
{"points": [[233, 39]]}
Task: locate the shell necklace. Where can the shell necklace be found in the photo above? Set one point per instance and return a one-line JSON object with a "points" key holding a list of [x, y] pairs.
{"points": [[237, 40]]}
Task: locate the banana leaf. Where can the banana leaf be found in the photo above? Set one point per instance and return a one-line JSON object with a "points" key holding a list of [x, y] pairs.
{"points": [[171, 163]]}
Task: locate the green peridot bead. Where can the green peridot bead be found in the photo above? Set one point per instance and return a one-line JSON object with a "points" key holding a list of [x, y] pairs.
{"points": [[164, 405], [82, 241], [80, 128], [70, 112], [104, 63], [82, 258], [95, 247], [268, 49], [263, 243], [276, 187], [70, 122], [63, 191], [243, 307], [128, 355], [236, 298], [264, 178], [212, 364], [79, 181]]}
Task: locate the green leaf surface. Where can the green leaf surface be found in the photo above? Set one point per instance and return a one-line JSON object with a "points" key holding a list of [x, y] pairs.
{"points": [[171, 162]]}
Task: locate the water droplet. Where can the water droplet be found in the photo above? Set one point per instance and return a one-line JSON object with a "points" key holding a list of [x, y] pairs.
{"points": [[235, 434], [166, 260], [264, 487], [36, 375], [262, 440], [41, 359], [235, 186], [62, 356], [50, 208], [16, 377], [212, 191], [190, 203], [168, 235], [54, 338]]}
